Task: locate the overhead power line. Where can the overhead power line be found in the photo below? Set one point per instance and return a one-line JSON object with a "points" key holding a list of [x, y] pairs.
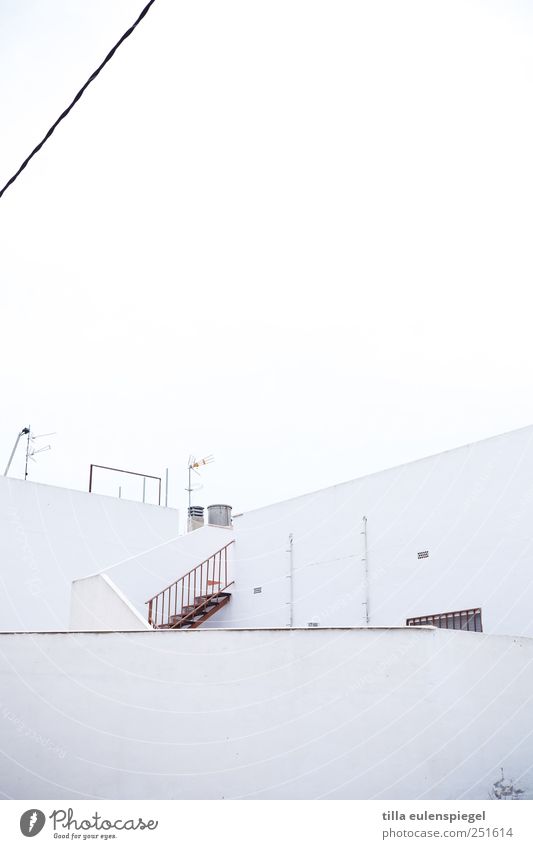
{"points": [[77, 97]]}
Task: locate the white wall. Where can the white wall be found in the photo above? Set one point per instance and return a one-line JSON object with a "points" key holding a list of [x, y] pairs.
{"points": [[387, 713], [97, 604], [49, 536], [472, 508]]}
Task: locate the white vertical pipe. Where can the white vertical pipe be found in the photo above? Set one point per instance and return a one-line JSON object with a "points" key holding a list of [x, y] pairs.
{"points": [[144, 490], [366, 576], [166, 487], [291, 580]]}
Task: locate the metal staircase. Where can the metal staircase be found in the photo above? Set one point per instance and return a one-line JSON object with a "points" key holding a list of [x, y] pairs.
{"points": [[194, 598]]}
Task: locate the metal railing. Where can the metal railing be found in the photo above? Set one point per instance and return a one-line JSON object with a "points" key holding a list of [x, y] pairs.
{"points": [[456, 620], [127, 472], [189, 594]]}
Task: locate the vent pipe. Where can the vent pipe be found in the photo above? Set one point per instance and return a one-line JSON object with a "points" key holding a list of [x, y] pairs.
{"points": [[195, 518]]}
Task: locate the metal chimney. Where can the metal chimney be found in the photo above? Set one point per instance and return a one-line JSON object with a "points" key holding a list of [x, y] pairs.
{"points": [[219, 514]]}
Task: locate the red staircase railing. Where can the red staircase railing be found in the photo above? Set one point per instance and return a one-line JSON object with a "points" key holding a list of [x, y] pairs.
{"points": [[189, 593]]}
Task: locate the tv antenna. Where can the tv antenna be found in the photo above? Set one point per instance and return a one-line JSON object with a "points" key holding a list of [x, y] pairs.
{"points": [[31, 450], [192, 466]]}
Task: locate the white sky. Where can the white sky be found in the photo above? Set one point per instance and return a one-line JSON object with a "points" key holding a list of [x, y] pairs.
{"points": [[296, 235]]}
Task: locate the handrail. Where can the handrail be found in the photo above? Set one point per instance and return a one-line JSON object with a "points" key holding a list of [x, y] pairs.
{"points": [[192, 570], [206, 580]]}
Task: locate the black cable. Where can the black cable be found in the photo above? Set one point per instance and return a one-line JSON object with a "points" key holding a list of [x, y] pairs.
{"points": [[79, 94]]}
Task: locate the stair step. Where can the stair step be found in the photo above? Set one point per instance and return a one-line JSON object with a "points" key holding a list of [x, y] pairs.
{"points": [[190, 613], [189, 608]]}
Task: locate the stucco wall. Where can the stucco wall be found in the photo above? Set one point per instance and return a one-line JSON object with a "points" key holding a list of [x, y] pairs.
{"points": [[49, 536], [385, 713], [470, 508], [97, 604]]}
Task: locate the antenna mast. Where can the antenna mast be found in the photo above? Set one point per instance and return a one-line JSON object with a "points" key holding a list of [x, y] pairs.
{"points": [[193, 466]]}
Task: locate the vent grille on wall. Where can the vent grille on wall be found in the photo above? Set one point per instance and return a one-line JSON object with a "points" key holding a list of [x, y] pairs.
{"points": [[422, 554], [258, 590], [312, 624]]}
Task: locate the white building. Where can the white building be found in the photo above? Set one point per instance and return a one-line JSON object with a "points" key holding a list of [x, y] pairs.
{"points": [[444, 534], [299, 677]]}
